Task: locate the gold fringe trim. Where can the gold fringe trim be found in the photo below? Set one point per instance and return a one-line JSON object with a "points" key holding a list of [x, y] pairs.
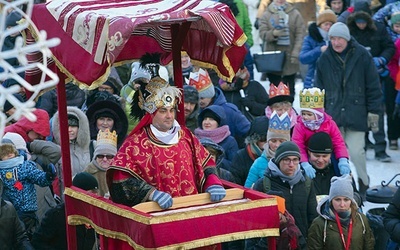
{"points": [[79, 220], [149, 220]]}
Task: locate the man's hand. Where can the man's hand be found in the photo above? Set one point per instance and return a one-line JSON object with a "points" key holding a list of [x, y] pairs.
{"points": [[310, 171], [344, 166], [163, 199], [216, 192], [373, 120]]}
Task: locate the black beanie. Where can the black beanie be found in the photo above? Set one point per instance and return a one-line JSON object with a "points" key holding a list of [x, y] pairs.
{"points": [[321, 143], [287, 148], [209, 113], [190, 94], [8, 105], [85, 181]]}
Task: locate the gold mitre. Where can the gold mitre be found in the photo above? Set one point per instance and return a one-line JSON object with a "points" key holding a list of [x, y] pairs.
{"points": [[107, 137], [312, 98]]}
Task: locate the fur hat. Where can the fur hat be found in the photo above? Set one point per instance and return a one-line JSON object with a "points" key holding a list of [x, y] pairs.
{"points": [[341, 186], [202, 81], [321, 143], [85, 181], [17, 140], [106, 143], [287, 148], [190, 94], [326, 16], [340, 30]]}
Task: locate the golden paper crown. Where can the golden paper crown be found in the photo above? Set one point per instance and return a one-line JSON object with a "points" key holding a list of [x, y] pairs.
{"points": [[201, 80], [107, 137], [312, 98], [158, 93], [282, 89]]}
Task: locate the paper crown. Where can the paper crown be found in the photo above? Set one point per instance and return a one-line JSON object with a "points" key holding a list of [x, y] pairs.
{"points": [[107, 137], [312, 98], [279, 93], [201, 80], [158, 93], [279, 124]]}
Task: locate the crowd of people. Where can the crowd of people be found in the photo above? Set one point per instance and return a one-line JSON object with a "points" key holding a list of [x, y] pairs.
{"points": [[126, 144]]}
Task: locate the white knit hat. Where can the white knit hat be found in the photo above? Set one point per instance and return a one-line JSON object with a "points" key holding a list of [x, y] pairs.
{"points": [[17, 140]]}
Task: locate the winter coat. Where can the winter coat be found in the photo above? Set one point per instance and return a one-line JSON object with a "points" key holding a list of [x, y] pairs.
{"points": [[79, 149], [384, 14], [41, 126], [391, 218], [257, 170], [256, 98], [299, 201], [15, 171], [301, 134], [12, 230], [310, 52], [373, 36], [240, 166], [352, 86], [324, 233], [297, 32], [100, 175], [243, 19], [74, 95], [237, 122], [393, 64]]}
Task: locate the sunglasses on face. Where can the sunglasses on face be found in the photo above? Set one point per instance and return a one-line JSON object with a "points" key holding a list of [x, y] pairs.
{"points": [[109, 157]]}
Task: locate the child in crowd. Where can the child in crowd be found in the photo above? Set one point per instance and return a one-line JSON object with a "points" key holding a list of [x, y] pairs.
{"points": [[19, 177], [313, 119], [278, 132]]}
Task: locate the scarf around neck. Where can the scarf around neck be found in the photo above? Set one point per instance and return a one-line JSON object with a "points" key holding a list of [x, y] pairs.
{"points": [[169, 137], [217, 135], [11, 163]]}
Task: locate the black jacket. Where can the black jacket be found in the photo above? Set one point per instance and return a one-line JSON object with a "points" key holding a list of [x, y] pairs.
{"points": [[391, 218], [352, 86], [241, 164]]}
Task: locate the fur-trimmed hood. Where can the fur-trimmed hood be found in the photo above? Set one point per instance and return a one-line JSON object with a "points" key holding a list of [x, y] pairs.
{"points": [[83, 138], [314, 33], [351, 21]]}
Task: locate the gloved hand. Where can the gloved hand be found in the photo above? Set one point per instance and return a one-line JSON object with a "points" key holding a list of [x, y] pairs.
{"points": [[163, 199], [216, 192], [344, 166], [396, 111], [246, 102], [51, 172], [379, 61], [310, 171], [373, 120], [278, 32], [256, 24]]}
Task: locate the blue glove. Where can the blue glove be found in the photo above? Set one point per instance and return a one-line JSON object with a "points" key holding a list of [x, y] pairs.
{"points": [[216, 192], [51, 172], [163, 199], [379, 61], [310, 171], [376, 61], [344, 166]]}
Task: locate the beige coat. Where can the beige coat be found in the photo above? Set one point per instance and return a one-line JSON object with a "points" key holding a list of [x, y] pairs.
{"points": [[100, 177], [297, 31]]}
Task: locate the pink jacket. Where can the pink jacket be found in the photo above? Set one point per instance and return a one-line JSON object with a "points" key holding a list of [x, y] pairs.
{"points": [[301, 134]]}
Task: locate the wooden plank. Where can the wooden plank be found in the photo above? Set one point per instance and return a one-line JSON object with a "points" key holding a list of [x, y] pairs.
{"points": [[188, 201]]}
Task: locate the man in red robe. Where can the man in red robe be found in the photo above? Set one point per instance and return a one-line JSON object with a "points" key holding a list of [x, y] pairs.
{"points": [[160, 159]]}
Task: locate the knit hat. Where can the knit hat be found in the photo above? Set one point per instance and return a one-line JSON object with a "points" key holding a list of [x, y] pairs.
{"points": [[190, 94], [279, 127], [258, 129], [12, 18], [73, 121], [211, 114], [8, 105], [17, 140], [340, 30], [287, 148], [326, 16], [395, 18], [106, 143], [341, 186], [202, 81], [85, 181], [321, 143]]}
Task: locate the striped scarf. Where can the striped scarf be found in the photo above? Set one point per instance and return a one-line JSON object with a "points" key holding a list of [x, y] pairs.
{"points": [[283, 23]]}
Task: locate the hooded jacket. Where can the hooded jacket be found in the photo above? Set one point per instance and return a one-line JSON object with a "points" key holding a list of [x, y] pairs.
{"points": [[12, 231], [79, 148], [41, 126], [324, 234]]}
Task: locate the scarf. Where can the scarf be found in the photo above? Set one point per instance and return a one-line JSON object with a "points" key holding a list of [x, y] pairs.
{"points": [[253, 150], [13, 162], [283, 24], [169, 137], [343, 216], [217, 135], [268, 152], [324, 35], [314, 124], [96, 164], [292, 180]]}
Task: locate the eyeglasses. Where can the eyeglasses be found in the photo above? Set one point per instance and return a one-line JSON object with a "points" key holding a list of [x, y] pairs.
{"points": [[288, 160], [109, 157]]}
